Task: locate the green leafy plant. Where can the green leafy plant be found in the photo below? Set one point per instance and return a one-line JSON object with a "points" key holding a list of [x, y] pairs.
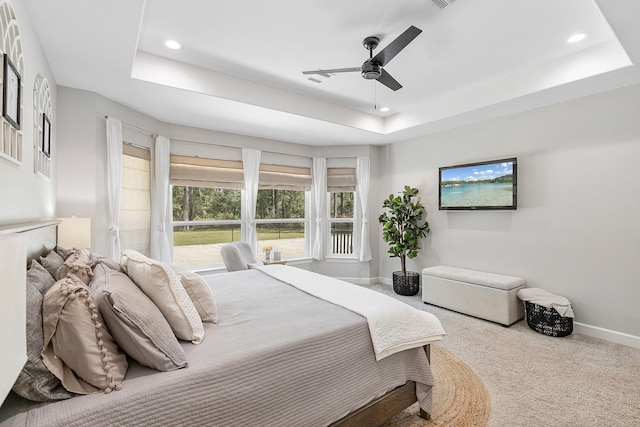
{"points": [[401, 225]]}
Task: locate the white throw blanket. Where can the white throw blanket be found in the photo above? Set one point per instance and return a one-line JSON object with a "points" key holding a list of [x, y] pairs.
{"points": [[547, 299], [394, 326]]}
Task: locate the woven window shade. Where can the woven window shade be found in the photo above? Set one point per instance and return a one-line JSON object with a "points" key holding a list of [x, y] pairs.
{"points": [[203, 172], [276, 177], [135, 201], [133, 151], [341, 180]]}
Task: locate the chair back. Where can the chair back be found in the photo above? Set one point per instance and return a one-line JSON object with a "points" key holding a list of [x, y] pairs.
{"points": [[238, 256]]}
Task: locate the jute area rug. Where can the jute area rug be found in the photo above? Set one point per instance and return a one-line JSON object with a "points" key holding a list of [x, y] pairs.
{"points": [[459, 396]]}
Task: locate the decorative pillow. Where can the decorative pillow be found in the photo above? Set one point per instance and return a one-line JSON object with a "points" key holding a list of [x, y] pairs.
{"points": [[62, 251], [39, 277], [78, 348], [200, 295], [35, 382], [77, 263], [52, 262], [134, 321], [160, 283], [110, 263]]}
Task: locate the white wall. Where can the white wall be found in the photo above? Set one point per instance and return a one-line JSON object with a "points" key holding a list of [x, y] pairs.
{"points": [[24, 195], [575, 231]]}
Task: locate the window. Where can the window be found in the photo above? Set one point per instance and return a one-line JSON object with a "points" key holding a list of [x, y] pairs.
{"points": [[206, 208], [342, 220], [280, 217], [281, 208], [341, 184], [135, 199], [204, 219]]}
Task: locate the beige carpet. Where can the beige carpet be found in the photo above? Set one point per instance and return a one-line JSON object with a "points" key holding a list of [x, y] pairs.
{"points": [[459, 396], [533, 379]]}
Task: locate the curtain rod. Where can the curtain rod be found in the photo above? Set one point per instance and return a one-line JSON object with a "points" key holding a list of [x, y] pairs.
{"points": [[224, 146], [153, 135], [264, 151]]}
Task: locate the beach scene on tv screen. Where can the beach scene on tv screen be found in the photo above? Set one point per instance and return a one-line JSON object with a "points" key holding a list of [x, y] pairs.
{"points": [[488, 185]]}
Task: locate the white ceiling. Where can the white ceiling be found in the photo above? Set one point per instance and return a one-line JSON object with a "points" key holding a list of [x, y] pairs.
{"points": [[241, 66]]}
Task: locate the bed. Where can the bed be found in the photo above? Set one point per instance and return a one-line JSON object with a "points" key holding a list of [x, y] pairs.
{"points": [[278, 356]]}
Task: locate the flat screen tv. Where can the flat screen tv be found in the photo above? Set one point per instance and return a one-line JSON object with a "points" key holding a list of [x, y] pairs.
{"points": [[479, 186]]}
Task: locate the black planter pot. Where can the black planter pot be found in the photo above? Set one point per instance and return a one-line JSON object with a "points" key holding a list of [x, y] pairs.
{"points": [[408, 287]]}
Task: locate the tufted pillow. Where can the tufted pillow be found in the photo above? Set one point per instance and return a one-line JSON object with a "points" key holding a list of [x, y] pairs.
{"points": [[200, 294], [134, 321], [78, 348], [78, 262], [160, 283], [35, 382], [52, 262]]}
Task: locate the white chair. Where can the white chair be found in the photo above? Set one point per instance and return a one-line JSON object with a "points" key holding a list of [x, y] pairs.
{"points": [[238, 256]]}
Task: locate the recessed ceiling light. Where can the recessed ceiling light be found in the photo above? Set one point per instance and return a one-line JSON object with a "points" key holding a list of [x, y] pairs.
{"points": [[172, 44], [384, 109], [576, 38]]}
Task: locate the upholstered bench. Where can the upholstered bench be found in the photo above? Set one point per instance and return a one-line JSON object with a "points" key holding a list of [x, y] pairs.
{"points": [[485, 295]]}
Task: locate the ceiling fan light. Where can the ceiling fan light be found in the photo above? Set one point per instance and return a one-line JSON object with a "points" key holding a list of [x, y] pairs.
{"points": [[371, 71], [370, 75]]}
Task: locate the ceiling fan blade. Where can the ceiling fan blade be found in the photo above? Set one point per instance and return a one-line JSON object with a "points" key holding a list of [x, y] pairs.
{"points": [[393, 48], [386, 79], [333, 71]]}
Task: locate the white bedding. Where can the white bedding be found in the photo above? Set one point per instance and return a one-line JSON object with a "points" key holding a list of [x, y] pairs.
{"points": [[394, 326]]}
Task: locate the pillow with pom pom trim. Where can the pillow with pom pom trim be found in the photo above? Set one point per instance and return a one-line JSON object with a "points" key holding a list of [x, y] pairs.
{"points": [[78, 348]]}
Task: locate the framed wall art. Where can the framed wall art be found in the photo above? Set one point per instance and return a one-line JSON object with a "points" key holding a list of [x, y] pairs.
{"points": [[11, 93], [46, 135]]}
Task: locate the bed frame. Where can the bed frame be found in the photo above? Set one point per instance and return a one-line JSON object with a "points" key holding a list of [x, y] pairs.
{"points": [[380, 410], [41, 237]]}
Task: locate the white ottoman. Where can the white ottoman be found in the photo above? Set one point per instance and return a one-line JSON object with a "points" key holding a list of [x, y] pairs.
{"points": [[485, 295]]}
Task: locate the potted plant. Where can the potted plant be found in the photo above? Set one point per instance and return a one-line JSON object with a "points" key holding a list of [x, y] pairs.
{"points": [[402, 230]]}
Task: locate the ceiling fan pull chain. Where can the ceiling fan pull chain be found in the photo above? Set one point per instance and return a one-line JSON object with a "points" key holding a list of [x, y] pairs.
{"points": [[375, 97]]}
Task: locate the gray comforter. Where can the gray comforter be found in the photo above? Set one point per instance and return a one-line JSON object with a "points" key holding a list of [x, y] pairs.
{"points": [[278, 357]]}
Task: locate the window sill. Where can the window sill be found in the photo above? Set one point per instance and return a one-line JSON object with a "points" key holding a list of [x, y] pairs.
{"points": [[345, 260]]}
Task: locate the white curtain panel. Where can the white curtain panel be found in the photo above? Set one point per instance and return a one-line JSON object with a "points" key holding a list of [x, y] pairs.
{"points": [[319, 191], [251, 168], [363, 173], [114, 179], [160, 212]]}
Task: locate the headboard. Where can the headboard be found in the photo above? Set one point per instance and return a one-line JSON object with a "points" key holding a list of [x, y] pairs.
{"points": [[18, 242]]}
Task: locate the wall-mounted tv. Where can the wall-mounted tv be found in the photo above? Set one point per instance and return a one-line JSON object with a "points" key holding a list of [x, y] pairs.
{"points": [[479, 186]]}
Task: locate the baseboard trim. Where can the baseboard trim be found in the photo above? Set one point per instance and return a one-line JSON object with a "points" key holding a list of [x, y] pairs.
{"points": [[385, 280], [606, 334], [358, 280]]}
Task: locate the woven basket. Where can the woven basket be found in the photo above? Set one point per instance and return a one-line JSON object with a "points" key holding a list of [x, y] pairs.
{"points": [[547, 321], [408, 287]]}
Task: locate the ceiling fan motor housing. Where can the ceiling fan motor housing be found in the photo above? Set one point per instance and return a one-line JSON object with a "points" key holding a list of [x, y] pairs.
{"points": [[371, 70]]}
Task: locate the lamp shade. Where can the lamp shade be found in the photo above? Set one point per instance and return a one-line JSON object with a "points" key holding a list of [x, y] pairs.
{"points": [[74, 232]]}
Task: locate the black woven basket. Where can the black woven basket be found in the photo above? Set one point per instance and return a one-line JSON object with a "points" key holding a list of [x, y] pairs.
{"points": [[547, 321], [408, 287]]}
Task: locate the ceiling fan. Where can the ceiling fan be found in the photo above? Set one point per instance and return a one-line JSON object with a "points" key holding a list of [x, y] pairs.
{"points": [[372, 68]]}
